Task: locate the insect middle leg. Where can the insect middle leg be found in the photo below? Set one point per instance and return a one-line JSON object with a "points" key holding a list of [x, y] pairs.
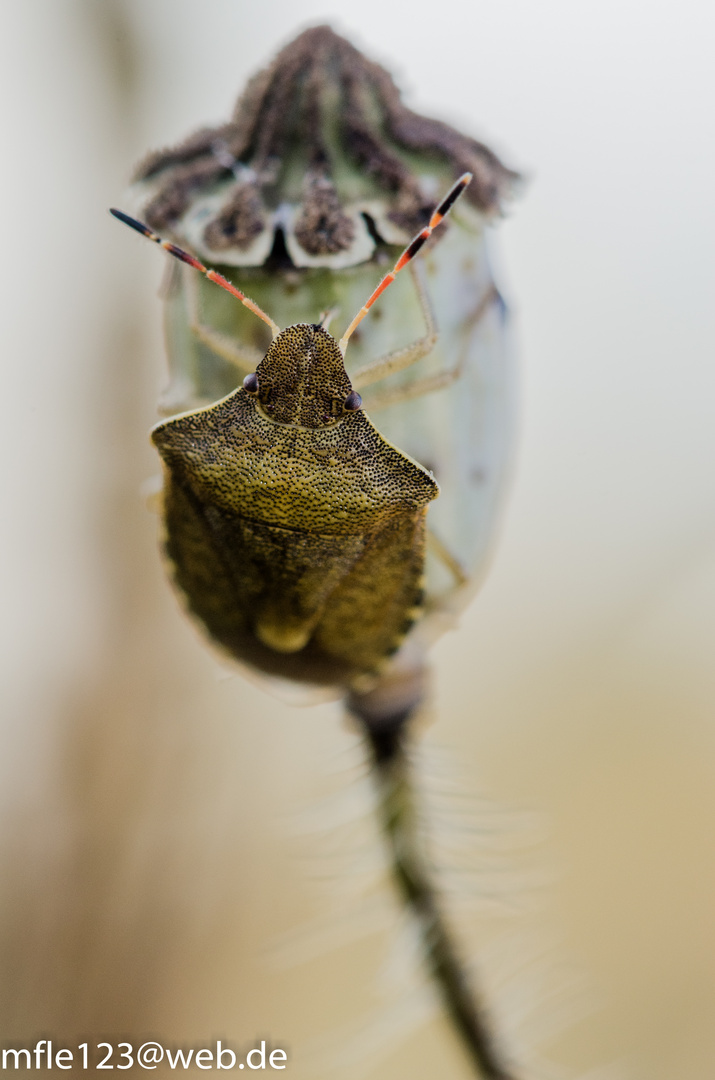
{"points": [[429, 383]]}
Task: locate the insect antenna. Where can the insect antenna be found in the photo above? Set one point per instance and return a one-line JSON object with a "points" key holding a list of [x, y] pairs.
{"points": [[190, 260], [409, 253]]}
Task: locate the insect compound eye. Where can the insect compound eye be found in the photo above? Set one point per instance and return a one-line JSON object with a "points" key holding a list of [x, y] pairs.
{"points": [[250, 383], [352, 402]]}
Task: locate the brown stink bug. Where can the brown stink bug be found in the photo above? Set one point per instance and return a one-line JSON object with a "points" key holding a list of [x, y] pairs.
{"points": [[294, 530], [317, 180]]}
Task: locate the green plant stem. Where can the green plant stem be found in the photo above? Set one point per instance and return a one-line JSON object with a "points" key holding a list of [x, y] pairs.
{"points": [[410, 867]]}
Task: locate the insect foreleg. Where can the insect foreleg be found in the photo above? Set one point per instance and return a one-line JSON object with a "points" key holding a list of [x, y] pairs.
{"points": [[243, 357], [429, 383], [399, 359]]}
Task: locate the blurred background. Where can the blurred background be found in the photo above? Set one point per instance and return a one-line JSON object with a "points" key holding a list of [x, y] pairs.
{"points": [[151, 800]]}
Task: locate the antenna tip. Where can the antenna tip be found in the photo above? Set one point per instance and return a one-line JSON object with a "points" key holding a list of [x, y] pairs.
{"points": [[132, 223]]}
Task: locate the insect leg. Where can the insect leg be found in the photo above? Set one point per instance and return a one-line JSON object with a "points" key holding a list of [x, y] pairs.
{"points": [[399, 359], [430, 383], [440, 550], [243, 357]]}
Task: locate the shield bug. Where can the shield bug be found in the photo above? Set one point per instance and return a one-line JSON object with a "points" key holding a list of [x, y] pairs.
{"points": [[320, 174], [307, 538], [295, 531]]}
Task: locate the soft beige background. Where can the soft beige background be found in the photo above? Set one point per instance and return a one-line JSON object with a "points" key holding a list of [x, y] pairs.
{"points": [[150, 856]]}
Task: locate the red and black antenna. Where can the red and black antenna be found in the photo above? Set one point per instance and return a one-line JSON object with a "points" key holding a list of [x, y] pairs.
{"points": [[406, 257], [408, 254], [184, 256]]}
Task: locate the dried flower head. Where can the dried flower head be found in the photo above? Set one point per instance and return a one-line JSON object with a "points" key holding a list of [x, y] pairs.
{"points": [[320, 156]]}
